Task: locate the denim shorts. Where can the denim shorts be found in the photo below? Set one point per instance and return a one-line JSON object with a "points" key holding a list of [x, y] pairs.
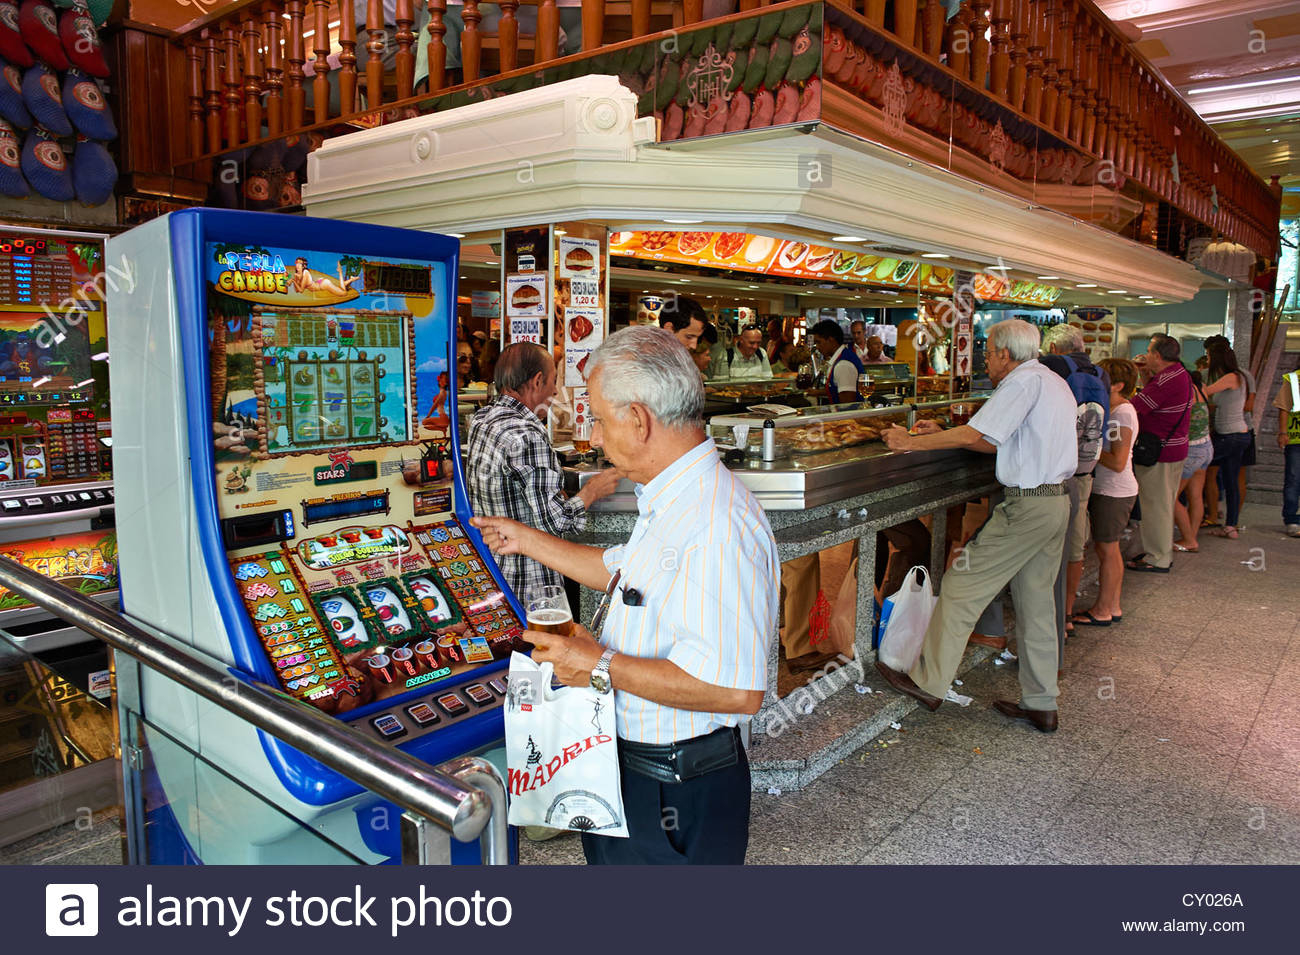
{"points": [[1198, 458]]}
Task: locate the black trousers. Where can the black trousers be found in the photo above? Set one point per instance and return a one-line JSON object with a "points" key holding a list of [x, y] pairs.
{"points": [[703, 821]]}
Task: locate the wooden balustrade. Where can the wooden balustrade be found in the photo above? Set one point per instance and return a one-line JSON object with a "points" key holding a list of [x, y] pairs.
{"points": [[1059, 63]]}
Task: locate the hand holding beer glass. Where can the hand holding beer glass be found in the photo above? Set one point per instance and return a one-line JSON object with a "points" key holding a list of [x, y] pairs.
{"points": [[547, 610]]}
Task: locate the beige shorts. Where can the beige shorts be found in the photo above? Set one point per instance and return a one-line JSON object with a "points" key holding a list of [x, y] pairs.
{"points": [[1076, 536]]}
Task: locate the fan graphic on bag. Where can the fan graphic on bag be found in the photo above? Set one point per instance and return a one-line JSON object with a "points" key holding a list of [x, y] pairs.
{"points": [[561, 754]]}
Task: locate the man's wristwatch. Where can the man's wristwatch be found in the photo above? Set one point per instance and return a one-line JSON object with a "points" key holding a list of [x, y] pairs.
{"points": [[600, 681]]}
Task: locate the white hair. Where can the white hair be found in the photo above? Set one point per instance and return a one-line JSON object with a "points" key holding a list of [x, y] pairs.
{"points": [[648, 365], [1017, 336], [1066, 338]]}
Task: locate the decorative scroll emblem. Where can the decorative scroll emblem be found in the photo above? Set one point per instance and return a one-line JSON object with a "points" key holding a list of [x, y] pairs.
{"points": [[999, 143], [895, 99], [708, 83]]}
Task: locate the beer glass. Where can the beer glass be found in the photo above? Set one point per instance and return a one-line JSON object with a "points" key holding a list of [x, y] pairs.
{"points": [[548, 610], [582, 434]]}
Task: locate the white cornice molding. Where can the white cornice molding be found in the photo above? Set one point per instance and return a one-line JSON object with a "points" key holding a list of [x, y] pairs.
{"points": [[1152, 16], [574, 151]]}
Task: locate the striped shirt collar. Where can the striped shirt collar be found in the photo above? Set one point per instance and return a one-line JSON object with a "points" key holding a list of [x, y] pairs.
{"points": [[666, 486]]}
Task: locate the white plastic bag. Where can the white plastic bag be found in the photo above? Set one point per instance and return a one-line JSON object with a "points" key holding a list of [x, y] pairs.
{"points": [[913, 605], [561, 754]]}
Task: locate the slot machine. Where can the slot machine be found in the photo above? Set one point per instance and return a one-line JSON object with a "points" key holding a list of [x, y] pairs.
{"points": [[291, 503], [56, 512]]}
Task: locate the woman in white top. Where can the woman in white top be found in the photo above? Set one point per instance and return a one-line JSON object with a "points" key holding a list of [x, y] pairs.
{"points": [[1114, 491]]}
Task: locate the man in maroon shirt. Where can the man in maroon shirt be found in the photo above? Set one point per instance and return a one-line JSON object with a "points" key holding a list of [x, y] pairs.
{"points": [[1164, 409]]}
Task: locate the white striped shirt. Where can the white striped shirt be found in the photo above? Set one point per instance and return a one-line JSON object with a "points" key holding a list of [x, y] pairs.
{"points": [[704, 560]]}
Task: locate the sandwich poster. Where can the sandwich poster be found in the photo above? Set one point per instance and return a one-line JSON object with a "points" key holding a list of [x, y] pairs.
{"points": [[526, 295], [579, 258]]}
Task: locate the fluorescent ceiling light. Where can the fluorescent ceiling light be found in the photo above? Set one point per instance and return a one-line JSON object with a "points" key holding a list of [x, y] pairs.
{"points": [[455, 235], [1085, 285], [1116, 291], [934, 255], [1227, 87], [848, 238], [684, 221], [751, 286], [998, 268], [1048, 278], [561, 232], [1146, 296]]}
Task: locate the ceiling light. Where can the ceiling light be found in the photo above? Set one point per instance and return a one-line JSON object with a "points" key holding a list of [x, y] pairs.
{"points": [[848, 238], [455, 235], [751, 286], [1085, 285], [935, 255], [560, 232], [102, 356], [1227, 87], [491, 263], [998, 268], [1117, 291], [1146, 296], [684, 221], [1048, 278]]}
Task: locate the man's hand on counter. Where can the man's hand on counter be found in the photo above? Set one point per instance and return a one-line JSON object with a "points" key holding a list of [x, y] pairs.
{"points": [[573, 656], [601, 485], [930, 436]]}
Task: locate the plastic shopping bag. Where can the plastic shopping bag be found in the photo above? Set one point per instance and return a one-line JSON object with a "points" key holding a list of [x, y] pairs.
{"points": [[561, 754], [904, 618]]}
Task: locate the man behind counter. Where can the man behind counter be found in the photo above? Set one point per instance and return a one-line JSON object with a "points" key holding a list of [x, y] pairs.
{"points": [[685, 319], [842, 364], [684, 644], [746, 359], [512, 469]]}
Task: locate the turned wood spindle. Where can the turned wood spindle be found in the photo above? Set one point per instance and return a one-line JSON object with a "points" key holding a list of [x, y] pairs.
{"points": [[875, 10], [932, 20], [1000, 62], [252, 37], [548, 31], [1051, 54], [348, 57], [641, 15], [1079, 91], [1019, 54], [212, 89], [593, 23], [979, 54], [692, 11], [1092, 47], [273, 68], [1035, 47], [958, 40], [376, 41], [437, 52], [320, 90], [234, 94], [1064, 68], [508, 36], [471, 41], [404, 58], [295, 99], [905, 21], [194, 85]]}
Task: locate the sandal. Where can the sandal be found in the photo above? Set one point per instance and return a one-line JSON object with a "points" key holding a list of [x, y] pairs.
{"points": [[1187, 550], [1227, 531], [1086, 619], [1142, 567]]}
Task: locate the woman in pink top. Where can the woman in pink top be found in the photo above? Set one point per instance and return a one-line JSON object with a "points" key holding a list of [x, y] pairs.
{"points": [[1114, 491]]}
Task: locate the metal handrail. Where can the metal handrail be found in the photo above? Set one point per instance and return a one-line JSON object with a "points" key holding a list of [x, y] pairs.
{"points": [[464, 810]]}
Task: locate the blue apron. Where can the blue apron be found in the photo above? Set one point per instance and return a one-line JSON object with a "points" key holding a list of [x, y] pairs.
{"points": [[847, 354]]}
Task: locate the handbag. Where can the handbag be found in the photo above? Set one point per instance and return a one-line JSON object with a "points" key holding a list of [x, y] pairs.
{"points": [[1147, 447], [904, 619], [561, 754]]}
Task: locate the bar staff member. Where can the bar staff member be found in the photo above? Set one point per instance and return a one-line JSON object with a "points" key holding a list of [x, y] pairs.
{"points": [[685, 642], [1029, 424]]}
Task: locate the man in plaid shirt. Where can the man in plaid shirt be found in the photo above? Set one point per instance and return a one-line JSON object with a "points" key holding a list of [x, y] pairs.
{"points": [[512, 470]]}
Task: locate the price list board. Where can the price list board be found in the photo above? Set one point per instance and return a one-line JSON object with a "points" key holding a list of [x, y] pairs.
{"points": [[40, 270]]}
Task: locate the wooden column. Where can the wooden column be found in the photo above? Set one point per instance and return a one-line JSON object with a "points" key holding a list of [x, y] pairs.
{"points": [[296, 98], [905, 21], [194, 89], [1064, 67], [875, 11], [273, 66], [692, 11], [593, 23], [508, 36], [1092, 52], [641, 15], [932, 21], [405, 38], [1019, 53], [1102, 143], [212, 88], [471, 41], [374, 54], [233, 95], [1079, 91], [252, 37], [348, 57], [979, 54], [320, 90], [1000, 62], [437, 53], [1035, 47], [958, 40], [1051, 56], [548, 31]]}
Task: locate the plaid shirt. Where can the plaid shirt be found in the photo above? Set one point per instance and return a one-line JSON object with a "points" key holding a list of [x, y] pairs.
{"points": [[514, 473]]}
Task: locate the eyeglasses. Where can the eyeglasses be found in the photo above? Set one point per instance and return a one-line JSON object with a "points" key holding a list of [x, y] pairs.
{"points": [[462, 358]]}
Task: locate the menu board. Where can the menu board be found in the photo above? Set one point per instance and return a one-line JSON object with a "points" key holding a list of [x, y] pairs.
{"points": [[766, 255]]}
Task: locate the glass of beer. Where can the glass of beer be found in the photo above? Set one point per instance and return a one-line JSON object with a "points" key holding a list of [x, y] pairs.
{"points": [[548, 611], [582, 434], [864, 386]]}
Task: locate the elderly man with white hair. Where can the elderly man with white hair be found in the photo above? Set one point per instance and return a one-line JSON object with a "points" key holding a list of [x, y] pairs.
{"points": [[1029, 424], [685, 642]]}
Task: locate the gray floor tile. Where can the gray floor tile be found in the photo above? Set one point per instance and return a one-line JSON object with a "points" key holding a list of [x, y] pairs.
{"points": [[1136, 833], [1245, 834], [922, 841], [823, 826], [904, 775]]}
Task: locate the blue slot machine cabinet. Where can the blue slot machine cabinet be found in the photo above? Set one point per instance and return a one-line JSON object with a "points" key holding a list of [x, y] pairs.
{"points": [[290, 502]]}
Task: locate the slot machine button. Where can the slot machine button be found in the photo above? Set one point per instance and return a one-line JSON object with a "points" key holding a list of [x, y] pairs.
{"points": [[423, 714], [388, 726], [34, 503], [11, 505], [451, 704], [498, 685], [480, 694], [99, 495], [84, 495]]}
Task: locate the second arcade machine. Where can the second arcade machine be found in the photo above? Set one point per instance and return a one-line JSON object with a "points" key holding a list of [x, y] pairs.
{"points": [[294, 507]]}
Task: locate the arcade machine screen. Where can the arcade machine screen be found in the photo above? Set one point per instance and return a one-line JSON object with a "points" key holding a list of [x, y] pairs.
{"points": [[55, 433], [336, 493]]}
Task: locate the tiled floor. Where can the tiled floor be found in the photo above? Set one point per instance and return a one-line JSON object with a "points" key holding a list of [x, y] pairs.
{"points": [[1179, 742]]}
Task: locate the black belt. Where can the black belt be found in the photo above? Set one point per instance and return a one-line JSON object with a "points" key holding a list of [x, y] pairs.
{"points": [[685, 759], [1043, 490]]}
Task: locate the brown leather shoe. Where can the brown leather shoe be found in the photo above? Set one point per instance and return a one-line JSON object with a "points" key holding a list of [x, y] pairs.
{"points": [[984, 640], [1042, 720], [903, 684]]}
